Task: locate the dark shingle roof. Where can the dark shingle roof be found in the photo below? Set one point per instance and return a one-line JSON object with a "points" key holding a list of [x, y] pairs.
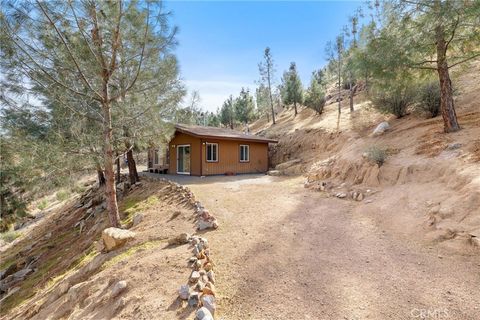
{"points": [[219, 133]]}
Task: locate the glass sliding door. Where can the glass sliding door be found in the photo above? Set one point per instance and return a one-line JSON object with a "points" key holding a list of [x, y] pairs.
{"points": [[183, 159]]}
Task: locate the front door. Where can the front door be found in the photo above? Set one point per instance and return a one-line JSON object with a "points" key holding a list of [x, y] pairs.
{"points": [[183, 159]]}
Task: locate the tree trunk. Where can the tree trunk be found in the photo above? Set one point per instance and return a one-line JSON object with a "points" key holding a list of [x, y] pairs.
{"points": [[100, 176], [295, 106], [351, 96], [270, 94], [110, 190], [132, 167], [450, 123], [117, 162], [339, 89]]}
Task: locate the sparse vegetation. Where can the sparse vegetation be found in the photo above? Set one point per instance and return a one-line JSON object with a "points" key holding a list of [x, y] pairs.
{"points": [[377, 155], [62, 195], [429, 98], [394, 99], [9, 236], [42, 204]]}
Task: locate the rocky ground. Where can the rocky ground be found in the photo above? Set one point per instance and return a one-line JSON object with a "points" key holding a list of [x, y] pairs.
{"points": [[287, 252], [70, 265]]}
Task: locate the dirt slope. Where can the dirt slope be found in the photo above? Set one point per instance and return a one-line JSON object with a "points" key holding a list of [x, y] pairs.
{"points": [[429, 178], [71, 279]]}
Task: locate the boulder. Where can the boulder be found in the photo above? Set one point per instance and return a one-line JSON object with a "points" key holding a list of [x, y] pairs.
{"points": [[206, 221], [182, 238], [453, 146], [197, 265], [208, 266], [203, 314], [274, 173], [137, 218], [208, 301], [184, 292], [211, 276], [381, 128], [193, 299], [341, 195], [209, 289], [118, 288], [114, 238], [194, 276]]}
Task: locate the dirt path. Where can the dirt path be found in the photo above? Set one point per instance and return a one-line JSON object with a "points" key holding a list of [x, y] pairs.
{"points": [[284, 252]]}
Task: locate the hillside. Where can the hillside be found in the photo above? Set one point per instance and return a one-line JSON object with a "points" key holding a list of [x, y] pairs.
{"points": [[60, 270], [429, 186], [418, 214]]}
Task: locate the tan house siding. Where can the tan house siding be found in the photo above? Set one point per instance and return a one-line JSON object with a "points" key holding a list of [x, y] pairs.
{"points": [[180, 139], [228, 156]]}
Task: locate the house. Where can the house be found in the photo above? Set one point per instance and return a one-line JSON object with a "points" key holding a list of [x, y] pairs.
{"points": [[203, 151]]}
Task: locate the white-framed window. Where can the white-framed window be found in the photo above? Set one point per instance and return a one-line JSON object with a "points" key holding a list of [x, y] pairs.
{"points": [[244, 153], [212, 152]]}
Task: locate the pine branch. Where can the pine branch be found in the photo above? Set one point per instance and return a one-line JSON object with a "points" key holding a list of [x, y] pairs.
{"points": [[82, 75], [465, 60]]}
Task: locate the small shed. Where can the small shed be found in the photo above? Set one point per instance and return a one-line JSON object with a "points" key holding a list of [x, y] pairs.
{"points": [[203, 151]]}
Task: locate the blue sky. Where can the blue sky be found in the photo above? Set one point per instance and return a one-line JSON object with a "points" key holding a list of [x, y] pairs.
{"points": [[221, 42]]}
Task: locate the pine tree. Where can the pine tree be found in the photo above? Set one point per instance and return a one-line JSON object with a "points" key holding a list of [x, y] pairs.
{"points": [[267, 76], [226, 114], [315, 96], [292, 90], [430, 35], [73, 50], [262, 97], [244, 107]]}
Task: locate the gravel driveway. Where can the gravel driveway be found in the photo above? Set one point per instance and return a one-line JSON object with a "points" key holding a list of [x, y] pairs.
{"points": [[285, 252]]}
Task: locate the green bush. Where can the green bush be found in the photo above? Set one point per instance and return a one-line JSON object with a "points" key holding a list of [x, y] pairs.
{"points": [[394, 99], [377, 155], [9, 236], [42, 204], [62, 195], [429, 98]]}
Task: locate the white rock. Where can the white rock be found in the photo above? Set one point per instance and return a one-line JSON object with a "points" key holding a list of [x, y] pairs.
{"points": [[114, 238], [203, 314], [208, 301], [118, 288], [274, 173], [211, 276], [381, 128], [341, 195], [194, 276], [184, 292], [207, 224]]}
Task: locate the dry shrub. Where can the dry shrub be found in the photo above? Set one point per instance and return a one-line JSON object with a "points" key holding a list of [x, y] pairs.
{"points": [[429, 98], [377, 155]]}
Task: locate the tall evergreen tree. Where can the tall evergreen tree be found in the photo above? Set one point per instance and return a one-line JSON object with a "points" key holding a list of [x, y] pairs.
{"points": [[76, 51], [267, 76], [226, 114], [315, 96], [262, 97], [292, 90], [244, 107]]}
